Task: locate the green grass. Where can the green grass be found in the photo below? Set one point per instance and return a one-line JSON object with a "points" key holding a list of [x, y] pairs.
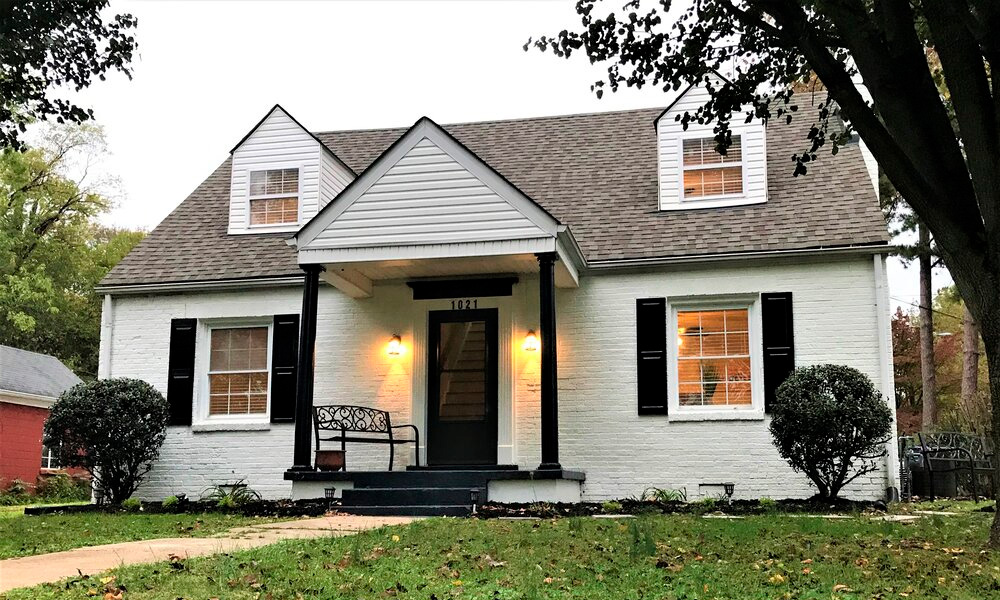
{"points": [[663, 557], [22, 535]]}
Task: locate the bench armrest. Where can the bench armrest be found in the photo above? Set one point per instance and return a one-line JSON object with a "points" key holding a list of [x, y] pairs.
{"points": [[415, 440]]}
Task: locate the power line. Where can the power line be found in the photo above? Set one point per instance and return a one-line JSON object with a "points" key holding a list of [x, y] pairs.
{"points": [[921, 307]]}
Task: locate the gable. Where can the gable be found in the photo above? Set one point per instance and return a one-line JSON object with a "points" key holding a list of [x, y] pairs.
{"points": [[427, 189], [279, 141], [671, 136]]}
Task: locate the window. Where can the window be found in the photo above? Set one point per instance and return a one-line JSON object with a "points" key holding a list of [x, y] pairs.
{"points": [[713, 358], [238, 371], [708, 173], [274, 197], [50, 459]]}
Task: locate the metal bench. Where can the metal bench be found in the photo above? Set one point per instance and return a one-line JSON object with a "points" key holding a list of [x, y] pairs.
{"points": [[360, 424]]}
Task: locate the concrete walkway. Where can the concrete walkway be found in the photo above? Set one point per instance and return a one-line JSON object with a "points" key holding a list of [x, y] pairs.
{"points": [[33, 570]]}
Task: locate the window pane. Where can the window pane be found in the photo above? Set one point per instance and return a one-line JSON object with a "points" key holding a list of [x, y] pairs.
{"points": [[271, 211], [238, 349], [713, 182], [701, 151], [713, 357]]}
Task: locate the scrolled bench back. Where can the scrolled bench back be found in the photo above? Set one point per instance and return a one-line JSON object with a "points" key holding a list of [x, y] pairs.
{"points": [[351, 418]]}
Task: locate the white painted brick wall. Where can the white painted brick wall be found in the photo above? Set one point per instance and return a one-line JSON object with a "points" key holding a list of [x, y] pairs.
{"points": [[600, 432]]}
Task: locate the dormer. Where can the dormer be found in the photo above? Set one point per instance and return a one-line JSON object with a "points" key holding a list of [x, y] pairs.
{"points": [[693, 175], [282, 176]]}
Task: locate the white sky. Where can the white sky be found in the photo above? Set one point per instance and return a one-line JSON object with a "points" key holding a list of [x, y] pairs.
{"points": [[208, 71]]}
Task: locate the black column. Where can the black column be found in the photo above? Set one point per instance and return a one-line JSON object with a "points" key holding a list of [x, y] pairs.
{"points": [[304, 390], [550, 387]]}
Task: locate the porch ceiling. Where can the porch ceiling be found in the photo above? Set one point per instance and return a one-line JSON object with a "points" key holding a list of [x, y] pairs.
{"points": [[357, 279]]}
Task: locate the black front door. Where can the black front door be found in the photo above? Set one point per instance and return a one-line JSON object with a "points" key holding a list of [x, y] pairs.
{"points": [[462, 387]]}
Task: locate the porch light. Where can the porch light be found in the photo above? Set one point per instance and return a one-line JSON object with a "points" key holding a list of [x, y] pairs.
{"points": [[395, 347], [530, 342]]}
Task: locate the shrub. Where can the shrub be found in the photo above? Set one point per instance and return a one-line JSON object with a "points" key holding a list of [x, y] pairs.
{"points": [[62, 487], [830, 423], [170, 502], [112, 428], [611, 506], [132, 504], [233, 495]]}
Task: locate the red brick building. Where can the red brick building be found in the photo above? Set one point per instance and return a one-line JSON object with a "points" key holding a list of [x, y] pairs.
{"points": [[29, 384]]}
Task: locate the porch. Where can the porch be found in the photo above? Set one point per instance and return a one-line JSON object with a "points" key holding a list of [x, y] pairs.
{"points": [[431, 215]]}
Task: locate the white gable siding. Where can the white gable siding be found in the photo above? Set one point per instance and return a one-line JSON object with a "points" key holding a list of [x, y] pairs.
{"points": [[427, 197], [333, 178], [279, 142], [670, 135]]}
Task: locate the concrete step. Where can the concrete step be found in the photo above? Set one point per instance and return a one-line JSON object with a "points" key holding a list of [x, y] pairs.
{"points": [[415, 496], [427, 510]]}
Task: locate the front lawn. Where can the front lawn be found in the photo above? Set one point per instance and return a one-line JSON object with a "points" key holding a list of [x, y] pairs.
{"points": [[22, 535], [655, 557]]}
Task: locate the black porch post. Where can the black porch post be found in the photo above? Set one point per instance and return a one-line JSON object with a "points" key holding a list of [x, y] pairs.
{"points": [[304, 389], [550, 387]]}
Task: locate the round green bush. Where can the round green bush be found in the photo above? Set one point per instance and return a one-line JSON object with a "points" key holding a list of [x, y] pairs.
{"points": [[112, 428], [830, 423]]}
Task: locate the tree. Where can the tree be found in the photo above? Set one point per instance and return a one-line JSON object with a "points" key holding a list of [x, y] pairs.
{"points": [[941, 151], [46, 45], [113, 428], [52, 250], [829, 422]]}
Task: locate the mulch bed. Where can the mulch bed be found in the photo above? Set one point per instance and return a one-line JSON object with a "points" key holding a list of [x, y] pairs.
{"points": [[634, 507], [257, 508]]}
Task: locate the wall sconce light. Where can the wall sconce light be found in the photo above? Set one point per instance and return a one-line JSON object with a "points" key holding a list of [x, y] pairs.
{"points": [[395, 347], [531, 343]]}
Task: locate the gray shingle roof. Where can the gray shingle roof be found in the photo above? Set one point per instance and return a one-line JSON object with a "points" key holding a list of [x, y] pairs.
{"points": [[596, 173], [33, 373]]}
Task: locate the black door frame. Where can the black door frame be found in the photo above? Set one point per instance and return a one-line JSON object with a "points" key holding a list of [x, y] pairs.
{"points": [[489, 442]]}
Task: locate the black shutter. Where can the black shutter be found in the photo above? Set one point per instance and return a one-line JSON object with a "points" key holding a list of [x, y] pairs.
{"points": [[284, 361], [779, 344], [180, 377], [651, 365]]}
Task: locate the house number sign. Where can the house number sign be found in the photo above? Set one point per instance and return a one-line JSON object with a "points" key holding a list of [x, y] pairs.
{"points": [[465, 303]]}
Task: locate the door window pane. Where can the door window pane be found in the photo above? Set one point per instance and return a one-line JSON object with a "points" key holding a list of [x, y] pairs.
{"points": [[462, 376]]}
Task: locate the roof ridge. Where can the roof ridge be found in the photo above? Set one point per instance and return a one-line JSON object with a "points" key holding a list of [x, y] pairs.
{"points": [[507, 120], [15, 348]]}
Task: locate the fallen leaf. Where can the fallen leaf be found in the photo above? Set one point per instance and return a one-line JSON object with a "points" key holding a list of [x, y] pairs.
{"points": [[840, 587], [777, 579]]}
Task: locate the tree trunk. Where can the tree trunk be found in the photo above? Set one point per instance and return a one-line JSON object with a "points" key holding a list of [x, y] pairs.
{"points": [[929, 393], [970, 358], [991, 341]]}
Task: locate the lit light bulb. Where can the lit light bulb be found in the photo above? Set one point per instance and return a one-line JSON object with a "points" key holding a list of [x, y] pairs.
{"points": [[531, 343], [395, 347]]}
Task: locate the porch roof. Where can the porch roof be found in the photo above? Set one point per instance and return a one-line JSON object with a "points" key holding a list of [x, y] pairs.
{"points": [[428, 206]]}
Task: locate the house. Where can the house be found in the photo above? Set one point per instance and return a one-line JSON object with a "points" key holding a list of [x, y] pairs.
{"points": [[29, 383], [571, 307]]}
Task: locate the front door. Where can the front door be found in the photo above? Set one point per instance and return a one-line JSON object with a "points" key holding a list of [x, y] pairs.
{"points": [[462, 387]]}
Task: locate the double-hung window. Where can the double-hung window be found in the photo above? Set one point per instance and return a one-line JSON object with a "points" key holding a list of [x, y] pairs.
{"points": [[708, 174], [238, 371], [274, 197], [716, 358]]}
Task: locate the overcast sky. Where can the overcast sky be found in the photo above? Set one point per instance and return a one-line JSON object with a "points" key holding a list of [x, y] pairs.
{"points": [[208, 71]]}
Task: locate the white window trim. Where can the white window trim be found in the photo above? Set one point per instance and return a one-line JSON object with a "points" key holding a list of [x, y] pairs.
{"points": [[274, 227], [755, 411], [50, 457], [203, 354], [716, 198]]}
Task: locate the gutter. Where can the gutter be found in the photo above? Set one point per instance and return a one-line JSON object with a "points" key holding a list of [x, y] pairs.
{"points": [[189, 286], [625, 263]]}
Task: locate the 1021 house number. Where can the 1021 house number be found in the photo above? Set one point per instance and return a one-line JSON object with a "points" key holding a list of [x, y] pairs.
{"points": [[465, 304]]}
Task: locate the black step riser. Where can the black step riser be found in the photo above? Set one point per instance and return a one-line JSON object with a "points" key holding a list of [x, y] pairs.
{"points": [[409, 511], [409, 496]]}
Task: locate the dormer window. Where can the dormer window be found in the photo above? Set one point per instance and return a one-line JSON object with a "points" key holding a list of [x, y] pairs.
{"points": [[708, 174], [274, 197]]}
